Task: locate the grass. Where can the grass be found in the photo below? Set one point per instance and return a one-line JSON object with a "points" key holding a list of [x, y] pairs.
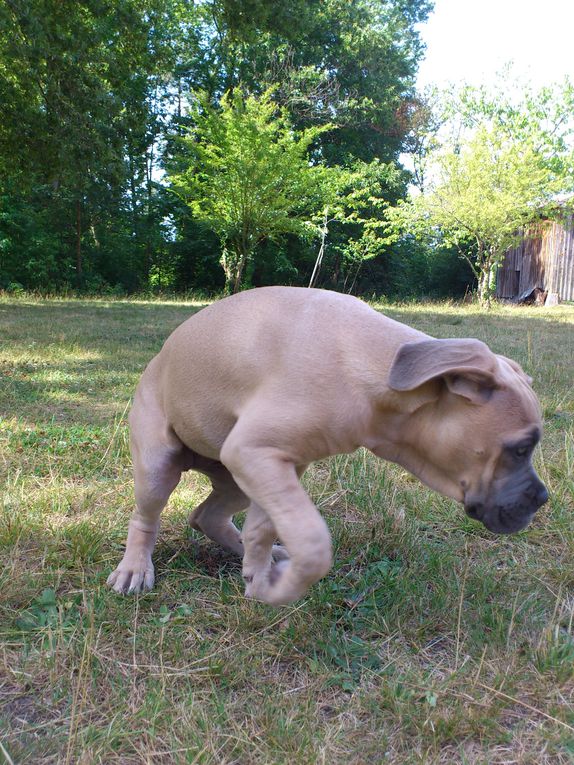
{"points": [[431, 641]]}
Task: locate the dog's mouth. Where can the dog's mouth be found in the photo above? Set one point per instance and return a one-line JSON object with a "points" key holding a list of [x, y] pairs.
{"points": [[500, 520], [509, 505]]}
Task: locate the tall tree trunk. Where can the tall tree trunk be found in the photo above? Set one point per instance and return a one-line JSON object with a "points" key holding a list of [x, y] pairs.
{"points": [[487, 281], [228, 262], [240, 269]]}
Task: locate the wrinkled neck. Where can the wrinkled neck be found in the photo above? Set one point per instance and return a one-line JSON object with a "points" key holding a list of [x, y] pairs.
{"points": [[404, 433]]}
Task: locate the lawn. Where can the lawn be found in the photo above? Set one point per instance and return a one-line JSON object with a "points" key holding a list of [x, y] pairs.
{"points": [[431, 641]]}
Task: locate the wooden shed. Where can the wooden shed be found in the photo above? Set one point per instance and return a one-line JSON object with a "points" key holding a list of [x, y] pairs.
{"points": [[543, 260]]}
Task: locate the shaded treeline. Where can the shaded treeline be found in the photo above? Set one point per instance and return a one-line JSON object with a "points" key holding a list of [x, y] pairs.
{"points": [[95, 95]]}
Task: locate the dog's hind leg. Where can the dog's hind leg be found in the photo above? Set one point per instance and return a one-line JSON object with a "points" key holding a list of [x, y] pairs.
{"points": [[157, 464], [213, 516]]}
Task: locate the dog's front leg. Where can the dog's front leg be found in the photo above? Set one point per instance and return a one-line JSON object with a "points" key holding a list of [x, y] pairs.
{"points": [[282, 508], [261, 564]]}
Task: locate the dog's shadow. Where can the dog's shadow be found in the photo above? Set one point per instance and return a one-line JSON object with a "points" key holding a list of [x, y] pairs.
{"points": [[200, 556]]}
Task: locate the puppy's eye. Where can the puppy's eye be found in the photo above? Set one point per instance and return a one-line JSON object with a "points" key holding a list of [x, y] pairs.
{"points": [[521, 451]]}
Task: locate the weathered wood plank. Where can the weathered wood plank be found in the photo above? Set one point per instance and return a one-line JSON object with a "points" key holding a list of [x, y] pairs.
{"points": [[543, 258]]}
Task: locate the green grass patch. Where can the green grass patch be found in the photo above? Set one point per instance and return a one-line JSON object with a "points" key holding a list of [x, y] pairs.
{"points": [[431, 641]]}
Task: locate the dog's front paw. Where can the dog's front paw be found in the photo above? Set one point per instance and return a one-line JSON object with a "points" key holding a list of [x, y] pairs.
{"points": [[276, 585], [128, 579], [279, 553]]}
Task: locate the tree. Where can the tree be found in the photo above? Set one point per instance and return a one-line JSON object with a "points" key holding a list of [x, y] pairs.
{"points": [[330, 60], [94, 98], [248, 177], [327, 61], [77, 136], [500, 169], [356, 203]]}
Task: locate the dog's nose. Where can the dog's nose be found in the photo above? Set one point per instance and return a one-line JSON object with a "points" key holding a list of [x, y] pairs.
{"points": [[541, 495]]}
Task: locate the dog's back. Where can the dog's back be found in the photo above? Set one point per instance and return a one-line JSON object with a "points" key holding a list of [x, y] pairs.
{"points": [[284, 338]]}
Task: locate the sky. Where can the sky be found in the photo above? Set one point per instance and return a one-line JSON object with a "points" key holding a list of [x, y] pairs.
{"points": [[471, 40]]}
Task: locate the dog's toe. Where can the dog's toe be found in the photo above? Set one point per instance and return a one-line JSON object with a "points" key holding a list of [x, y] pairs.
{"points": [[119, 581], [139, 583], [128, 582]]}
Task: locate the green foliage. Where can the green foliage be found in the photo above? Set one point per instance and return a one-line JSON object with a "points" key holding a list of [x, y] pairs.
{"points": [[539, 118], [48, 619], [414, 268], [29, 245], [353, 62], [249, 177], [502, 169], [77, 139], [358, 205], [320, 108], [94, 98]]}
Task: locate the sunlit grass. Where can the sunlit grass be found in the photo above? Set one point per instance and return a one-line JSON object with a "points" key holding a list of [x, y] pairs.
{"points": [[431, 641]]}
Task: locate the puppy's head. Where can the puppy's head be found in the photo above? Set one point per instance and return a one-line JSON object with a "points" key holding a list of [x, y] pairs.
{"points": [[474, 437]]}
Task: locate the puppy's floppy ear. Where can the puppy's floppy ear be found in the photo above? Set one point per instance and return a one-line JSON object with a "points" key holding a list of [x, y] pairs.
{"points": [[517, 368], [467, 366]]}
